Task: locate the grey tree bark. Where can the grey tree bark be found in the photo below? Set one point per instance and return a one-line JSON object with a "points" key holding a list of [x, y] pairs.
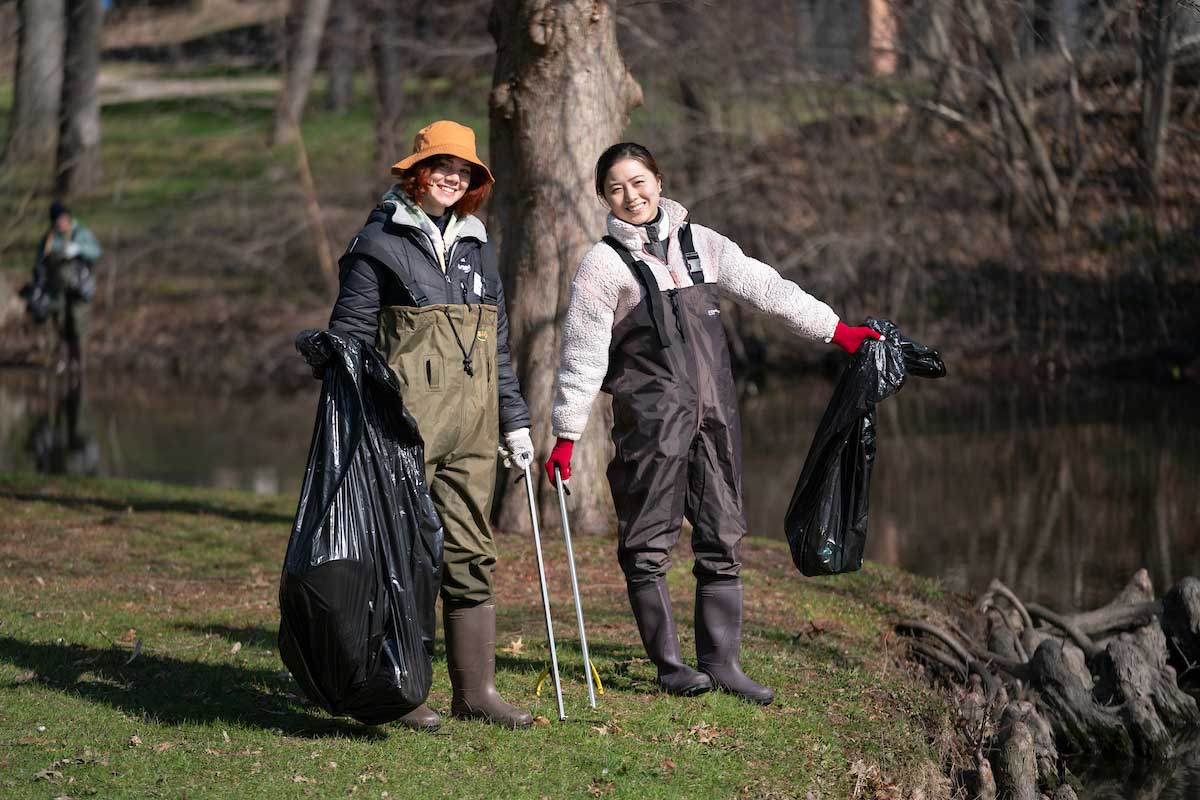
{"points": [[37, 83], [1156, 23], [387, 65], [305, 25], [343, 46], [560, 95], [78, 165]]}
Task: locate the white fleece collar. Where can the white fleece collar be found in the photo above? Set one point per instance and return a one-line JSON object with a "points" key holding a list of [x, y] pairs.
{"points": [[634, 237]]}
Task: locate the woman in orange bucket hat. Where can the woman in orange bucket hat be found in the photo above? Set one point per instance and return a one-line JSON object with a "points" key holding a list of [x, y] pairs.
{"points": [[420, 283]]}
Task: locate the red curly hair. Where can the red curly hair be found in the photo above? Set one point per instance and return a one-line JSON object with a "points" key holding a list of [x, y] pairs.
{"points": [[415, 182]]}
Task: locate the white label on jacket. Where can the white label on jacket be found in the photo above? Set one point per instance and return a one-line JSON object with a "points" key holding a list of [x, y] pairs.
{"points": [[478, 285]]}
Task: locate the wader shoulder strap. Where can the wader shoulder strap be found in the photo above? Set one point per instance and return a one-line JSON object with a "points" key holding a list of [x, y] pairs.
{"points": [[695, 270], [365, 247], [653, 295]]}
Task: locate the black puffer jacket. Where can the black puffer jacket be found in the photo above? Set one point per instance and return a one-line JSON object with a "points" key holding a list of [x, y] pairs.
{"points": [[392, 262]]}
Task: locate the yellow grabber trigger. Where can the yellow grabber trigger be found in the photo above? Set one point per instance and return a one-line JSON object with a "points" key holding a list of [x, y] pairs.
{"points": [[545, 673]]}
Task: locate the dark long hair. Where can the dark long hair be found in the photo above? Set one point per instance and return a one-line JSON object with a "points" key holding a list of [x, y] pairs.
{"points": [[620, 151]]}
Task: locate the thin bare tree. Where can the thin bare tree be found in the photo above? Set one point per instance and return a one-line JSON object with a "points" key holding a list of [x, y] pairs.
{"points": [[560, 95], [37, 81], [344, 47], [302, 45], [389, 74], [1156, 28], [78, 165]]}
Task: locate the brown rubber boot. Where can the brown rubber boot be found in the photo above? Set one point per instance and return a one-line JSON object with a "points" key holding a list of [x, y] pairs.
{"points": [[719, 640], [652, 610], [471, 654], [421, 718]]}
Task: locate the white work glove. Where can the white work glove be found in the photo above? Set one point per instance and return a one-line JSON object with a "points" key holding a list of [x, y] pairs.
{"points": [[72, 250], [517, 449]]}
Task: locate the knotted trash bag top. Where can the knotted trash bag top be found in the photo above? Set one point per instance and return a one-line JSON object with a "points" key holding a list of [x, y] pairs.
{"points": [[360, 579], [826, 523]]}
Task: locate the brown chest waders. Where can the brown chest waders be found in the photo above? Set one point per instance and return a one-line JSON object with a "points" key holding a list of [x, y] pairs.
{"points": [[679, 454], [457, 413]]}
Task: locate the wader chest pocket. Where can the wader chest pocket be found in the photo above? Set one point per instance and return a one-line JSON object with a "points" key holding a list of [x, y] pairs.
{"points": [[433, 367]]}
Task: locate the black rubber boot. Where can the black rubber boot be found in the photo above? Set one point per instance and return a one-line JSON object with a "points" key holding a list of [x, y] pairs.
{"points": [[719, 639], [652, 610], [471, 653], [421, 718]]}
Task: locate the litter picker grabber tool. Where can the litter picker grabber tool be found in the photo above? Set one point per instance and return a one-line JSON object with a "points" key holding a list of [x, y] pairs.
{"points": [[589, 669], [537, 546]]}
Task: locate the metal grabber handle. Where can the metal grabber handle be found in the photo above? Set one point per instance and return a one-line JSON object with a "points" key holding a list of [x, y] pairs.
{"points": [[537, 546], [588, 668]]}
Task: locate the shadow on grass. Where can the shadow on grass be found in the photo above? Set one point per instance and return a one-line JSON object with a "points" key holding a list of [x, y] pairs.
{"points": [[149, 506], [174, 691]]}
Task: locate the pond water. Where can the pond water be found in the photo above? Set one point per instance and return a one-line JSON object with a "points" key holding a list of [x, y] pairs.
{"points": [[1061, 491]]}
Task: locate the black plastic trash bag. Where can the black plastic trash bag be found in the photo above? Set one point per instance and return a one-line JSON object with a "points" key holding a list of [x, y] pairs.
{"points": [[359, 583], [826, 522]]}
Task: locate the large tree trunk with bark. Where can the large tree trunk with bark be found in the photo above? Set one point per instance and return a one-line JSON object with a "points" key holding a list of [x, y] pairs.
{"points": [[302, 45], [37, 85], [389, 84], [561, 94], [78, 163]]}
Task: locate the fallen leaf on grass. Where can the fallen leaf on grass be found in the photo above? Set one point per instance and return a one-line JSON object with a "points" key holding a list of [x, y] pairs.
{"points": [[667, 766], [163, 747], [302, 779], [40, 580], [601, 729], [515, 647], [703, 732], [25, 677], [540, 720], [135, 741], [50, 775], [128, 636], [236, 647]]}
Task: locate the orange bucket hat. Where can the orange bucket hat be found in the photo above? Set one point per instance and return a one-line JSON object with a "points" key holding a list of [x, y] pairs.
{"points": [[443, 138]]}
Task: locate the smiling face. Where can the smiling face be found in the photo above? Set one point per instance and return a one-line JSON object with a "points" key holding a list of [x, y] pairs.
{"points": [[632, 191], [449, 180]]}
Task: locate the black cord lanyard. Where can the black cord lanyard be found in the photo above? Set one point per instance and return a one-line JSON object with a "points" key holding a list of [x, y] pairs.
{"points": [[467, 366]]}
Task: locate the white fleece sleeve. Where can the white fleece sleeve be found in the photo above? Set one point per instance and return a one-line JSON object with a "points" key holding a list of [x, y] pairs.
{"points": [[758, 285], [586, 334]]}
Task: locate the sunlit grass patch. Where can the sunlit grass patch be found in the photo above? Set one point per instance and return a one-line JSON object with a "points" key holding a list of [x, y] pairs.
{"points": [[137, 655]]}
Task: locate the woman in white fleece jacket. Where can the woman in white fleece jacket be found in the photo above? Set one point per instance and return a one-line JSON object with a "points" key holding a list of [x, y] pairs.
{"points": [[644, 324]]}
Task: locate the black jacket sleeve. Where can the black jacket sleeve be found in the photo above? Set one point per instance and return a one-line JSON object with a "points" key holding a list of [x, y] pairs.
{"points": [[356, 312], [514, 413]]}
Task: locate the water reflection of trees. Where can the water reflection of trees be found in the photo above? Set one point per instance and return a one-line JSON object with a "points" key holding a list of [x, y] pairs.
{"points": [[1062, 491]]}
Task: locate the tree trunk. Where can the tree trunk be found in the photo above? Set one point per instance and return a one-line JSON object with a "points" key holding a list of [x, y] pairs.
{"points": [[342, 41], [302, 45], [389, 86], [78, 164], [560, 95], [37, 84], [1156, 21], [879, 37]]}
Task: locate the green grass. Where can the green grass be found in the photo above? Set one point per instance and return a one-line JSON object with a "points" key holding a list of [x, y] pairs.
{"points": [[137, 658]]}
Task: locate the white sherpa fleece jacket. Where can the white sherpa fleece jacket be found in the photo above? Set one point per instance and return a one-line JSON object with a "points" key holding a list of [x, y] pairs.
{"points": [[605, 291]]}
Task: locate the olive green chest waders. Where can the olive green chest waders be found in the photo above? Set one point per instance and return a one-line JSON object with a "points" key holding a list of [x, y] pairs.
{"points": [[679, 454], [445, 358]]}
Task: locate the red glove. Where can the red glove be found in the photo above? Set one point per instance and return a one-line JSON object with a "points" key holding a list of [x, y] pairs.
{"points": [[850, 339], [560, 457]]}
